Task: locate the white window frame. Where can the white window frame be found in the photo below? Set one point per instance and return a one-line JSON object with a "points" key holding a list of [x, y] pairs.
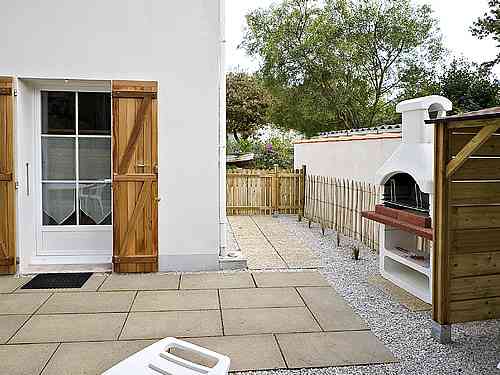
{"points": [[37, 167]]}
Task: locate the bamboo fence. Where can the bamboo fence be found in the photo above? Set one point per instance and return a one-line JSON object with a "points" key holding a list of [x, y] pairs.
{"points": [[264, 192], [337, 204]]}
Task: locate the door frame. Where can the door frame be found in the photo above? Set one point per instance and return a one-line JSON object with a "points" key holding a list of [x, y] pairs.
{"points": [[33, 257]]}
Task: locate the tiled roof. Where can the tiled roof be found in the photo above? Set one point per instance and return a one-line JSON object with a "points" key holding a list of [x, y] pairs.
{"points": [[376, 130]]}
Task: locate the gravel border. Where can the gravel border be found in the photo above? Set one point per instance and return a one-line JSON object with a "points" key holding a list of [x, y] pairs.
{"points": [[475, 348]]}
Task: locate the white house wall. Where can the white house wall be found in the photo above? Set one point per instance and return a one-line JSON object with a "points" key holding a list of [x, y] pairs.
{"points": [[178, 44], [357, 160]]}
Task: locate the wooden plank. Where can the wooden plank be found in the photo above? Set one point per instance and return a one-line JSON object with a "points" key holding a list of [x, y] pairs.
{"points": [[475, 241], [475, 193], [441, 274], [475, 217], [135, 259], [490, 148], [134, 177], [124, 86], [473, 123], [6, 176], [473, 287], [475, 309], [478, 169], [475, 264], [473, 145]]}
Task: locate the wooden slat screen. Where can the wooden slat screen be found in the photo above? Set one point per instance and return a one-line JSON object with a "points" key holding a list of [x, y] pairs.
{"points": [[7, 183], [467, 216]]}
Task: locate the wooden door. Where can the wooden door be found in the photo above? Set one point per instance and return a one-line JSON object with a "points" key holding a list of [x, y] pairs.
{"points": [[135, 177], [7, 184]]}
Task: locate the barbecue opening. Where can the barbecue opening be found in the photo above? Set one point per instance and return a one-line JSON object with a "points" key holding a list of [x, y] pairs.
{"points": [[402, 191]]}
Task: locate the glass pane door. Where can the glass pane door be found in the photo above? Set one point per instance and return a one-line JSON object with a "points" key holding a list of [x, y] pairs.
{"points": [[76, 158]]}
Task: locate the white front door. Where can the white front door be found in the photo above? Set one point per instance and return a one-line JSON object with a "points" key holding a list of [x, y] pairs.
{"points": [[74, 177]]}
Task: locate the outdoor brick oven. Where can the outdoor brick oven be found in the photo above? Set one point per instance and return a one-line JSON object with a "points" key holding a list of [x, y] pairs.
{"points": [[406, 203]]}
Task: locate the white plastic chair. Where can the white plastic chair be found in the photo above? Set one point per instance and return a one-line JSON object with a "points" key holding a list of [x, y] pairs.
{"points": [[156, 360]]}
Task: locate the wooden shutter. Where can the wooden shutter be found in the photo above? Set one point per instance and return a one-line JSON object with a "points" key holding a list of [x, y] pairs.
{"points": [[135, 177], [7, 184]]}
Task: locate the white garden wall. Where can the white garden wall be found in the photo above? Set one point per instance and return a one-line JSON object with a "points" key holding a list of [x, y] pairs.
{"points": [[178, 44], [356, 157]]}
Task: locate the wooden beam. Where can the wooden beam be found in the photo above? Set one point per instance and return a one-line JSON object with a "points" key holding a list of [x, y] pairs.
{"points": [[474, 144], [134, 136], [134, 259], [131, 225], [5, 176], [137, 177]]}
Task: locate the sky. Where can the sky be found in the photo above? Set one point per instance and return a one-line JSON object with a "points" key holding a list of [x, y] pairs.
{"points": [[455, 17]]}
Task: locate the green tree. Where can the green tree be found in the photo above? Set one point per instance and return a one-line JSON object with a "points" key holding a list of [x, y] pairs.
{"points": [[469, 87], [489, 26], [334, 64], [247, 102]]}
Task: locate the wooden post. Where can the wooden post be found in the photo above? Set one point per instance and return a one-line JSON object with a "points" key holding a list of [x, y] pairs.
{"points": [[302, 192], [274, 190]]}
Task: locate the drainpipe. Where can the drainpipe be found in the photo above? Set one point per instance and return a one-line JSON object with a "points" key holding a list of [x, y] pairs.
{"points": [[221, 149]]}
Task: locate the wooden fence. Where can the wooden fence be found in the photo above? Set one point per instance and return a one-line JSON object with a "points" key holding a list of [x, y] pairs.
{"points": [[337, 204], [264, 192]]}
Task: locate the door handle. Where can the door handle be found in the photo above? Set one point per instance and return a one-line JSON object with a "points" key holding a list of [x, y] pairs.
{"points": [[28, 179]]}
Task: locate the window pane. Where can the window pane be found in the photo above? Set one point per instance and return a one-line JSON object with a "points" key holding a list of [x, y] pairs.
{"points": [[94, 113], [95, 204], [58, 159], [58, 112], [58, 204], [94, 158]]}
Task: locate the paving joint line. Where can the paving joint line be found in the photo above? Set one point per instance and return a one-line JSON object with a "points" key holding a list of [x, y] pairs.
{"points": [[268, 240], [309, 309], [29, 318], [50, 358], [126, 318], [281, 350], [220, 310]]}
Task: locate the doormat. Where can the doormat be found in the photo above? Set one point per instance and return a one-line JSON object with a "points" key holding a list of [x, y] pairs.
{"points": [[58, 281]]}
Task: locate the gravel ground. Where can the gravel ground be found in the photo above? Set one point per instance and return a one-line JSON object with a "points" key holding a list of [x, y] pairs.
{"points": [[475, 348]]}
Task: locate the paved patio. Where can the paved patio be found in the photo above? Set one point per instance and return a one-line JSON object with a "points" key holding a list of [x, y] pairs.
{"points": [[268, 245], [262, 320]]}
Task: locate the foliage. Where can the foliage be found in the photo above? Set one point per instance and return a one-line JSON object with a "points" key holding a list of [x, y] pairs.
{"points": [[469, 87], [333, 64], [247, 102], [271, 147], [489, 26]]}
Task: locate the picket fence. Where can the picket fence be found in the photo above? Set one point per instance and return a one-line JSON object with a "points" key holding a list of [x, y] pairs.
{"points": [[337, 204]]}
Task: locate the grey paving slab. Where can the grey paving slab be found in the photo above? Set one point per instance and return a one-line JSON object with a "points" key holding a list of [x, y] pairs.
{"points": [[157, 325], [91, 285], [330, 309], [268, 320], [9, 324], [70, 327], [247, 353], [92, 302], [117, 282], [305, 350], [8, 284], [91, 358], [21, 304], [24, 359], [287, 279], [217, 280], [176, 300], [259, 298]]}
